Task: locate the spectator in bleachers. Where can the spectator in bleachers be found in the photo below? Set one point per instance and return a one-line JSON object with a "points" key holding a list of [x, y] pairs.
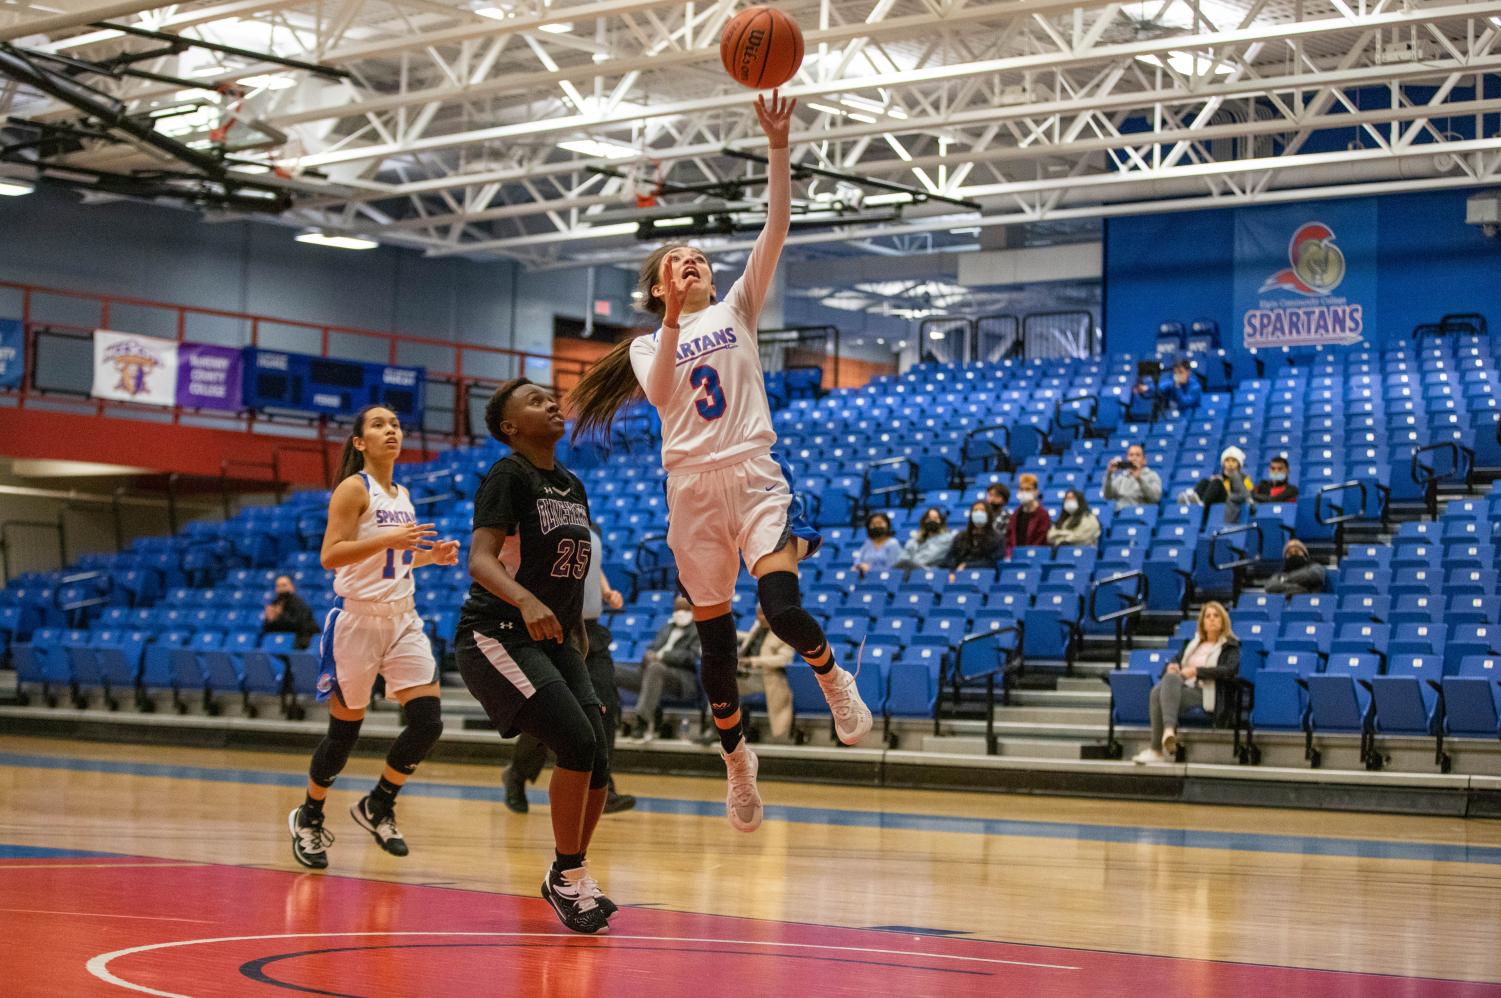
{"points": [[1189, 682], [1275, 487], [1230, 486], [1130, 482], [762, 666], [929, 543], [1077, 526], [1030, 521], [978, 545], [998, 502], [669, 668], [1300, 573], [880, 550], [288, 611], [1178, 389]]}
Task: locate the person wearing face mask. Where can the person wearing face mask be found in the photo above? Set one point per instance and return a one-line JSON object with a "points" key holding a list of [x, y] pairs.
{"points": [[998, 501], [1230, 486], [880, 550], [1030, 521], [978, 545], [1300, 573], [929, 543], [669, 668], [1130, 482], [1078, 526], [1275, 487]]}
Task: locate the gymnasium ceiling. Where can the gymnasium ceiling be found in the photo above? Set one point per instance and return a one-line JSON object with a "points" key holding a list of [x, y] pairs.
{"points": [[477, 128]]}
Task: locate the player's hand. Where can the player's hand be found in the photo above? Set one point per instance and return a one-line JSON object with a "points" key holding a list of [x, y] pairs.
{"points": [[614, 600], [674, 294], [541, 623], [776, 118], [446, 553], [413, 537]]}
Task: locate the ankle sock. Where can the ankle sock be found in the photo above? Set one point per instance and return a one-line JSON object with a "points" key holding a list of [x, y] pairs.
{"points": [[383, 797], [312, 808], [568, 861]]}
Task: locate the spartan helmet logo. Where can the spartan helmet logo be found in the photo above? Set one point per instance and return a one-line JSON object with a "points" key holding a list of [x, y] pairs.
{"points": [[133, 362], [1318, 266]]}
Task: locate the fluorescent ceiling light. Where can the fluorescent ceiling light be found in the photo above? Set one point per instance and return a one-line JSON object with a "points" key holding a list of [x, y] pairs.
{"points": [[872, 106], [493, 13], [316, 238], [12, 188], [556, 29], [674, 223], [896, 197], [268, 81], [598, 147], [933, 334], [1187, 64]]}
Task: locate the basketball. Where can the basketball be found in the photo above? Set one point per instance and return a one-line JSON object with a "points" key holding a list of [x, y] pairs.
{"points": [[761, 47]]}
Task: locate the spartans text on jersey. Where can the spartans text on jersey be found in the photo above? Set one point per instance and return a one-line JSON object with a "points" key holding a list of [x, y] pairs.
{"points": [[700, 345], [393, 517], [552, 514]]}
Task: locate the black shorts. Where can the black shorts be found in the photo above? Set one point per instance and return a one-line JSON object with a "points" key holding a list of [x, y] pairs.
{"points": [[504, 669]]}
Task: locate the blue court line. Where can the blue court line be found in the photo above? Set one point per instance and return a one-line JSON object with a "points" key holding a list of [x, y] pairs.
{"points": [[43, 852], [1068, 831]]}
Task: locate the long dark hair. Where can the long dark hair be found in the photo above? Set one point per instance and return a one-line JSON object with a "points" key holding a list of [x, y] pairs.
{"points": [[352, 459], [603, 391], [1072, 520]]}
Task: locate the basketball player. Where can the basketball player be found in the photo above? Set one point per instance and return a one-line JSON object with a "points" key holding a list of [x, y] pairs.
{"points": [[728, 497], [373, 542], [522, 643]]}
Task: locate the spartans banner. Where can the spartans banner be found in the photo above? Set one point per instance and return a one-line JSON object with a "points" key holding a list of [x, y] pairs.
{"points": [[1306, 275]]}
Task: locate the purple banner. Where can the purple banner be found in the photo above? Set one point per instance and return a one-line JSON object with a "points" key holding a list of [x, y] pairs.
{"points": [[209, 377]]}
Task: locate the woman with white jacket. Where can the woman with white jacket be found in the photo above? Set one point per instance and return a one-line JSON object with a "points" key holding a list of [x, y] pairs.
{"points": [[1190, 682]]}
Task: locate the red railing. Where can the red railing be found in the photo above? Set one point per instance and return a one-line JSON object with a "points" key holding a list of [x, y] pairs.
{"points": [[56, 310]]}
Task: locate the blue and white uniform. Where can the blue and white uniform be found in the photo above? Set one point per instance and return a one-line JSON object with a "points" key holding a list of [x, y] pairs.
{"points": [[728, 497], [374, 628]]}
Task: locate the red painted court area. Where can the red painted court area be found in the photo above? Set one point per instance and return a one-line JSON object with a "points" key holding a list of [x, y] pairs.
{"points": [[104, 926]]}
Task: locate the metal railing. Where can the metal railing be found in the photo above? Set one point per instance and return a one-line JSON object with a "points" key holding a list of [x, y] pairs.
{"points": [[1124, 617], [1241, 557], [1339, 517], [1461, 467], [983, 657]]}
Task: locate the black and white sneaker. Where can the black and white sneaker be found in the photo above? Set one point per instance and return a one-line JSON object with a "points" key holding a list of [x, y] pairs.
{"points": [[572, 901], [592, 887], [310, 840], [381, 826]]}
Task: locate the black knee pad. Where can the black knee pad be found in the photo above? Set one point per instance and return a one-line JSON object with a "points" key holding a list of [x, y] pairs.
{"points": [[424, 727], [332, 754], [718, 654], [599, 776], [782, 603]]}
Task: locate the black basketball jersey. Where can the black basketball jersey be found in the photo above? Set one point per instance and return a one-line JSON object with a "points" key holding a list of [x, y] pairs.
{"points": [[545, 515]]}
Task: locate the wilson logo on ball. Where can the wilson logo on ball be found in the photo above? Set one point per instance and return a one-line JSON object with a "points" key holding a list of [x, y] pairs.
{"points": [[761, 47]]}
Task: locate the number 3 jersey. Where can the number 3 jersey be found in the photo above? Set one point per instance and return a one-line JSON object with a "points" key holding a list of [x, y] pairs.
{"points": [[718, 413], [545, 515], [387, 576]]}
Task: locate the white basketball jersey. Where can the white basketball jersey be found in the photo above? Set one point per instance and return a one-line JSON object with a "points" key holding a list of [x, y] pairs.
{"points": [[387, 575], [718, 410]]}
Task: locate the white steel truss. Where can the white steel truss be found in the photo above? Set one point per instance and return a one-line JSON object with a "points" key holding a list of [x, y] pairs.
{"points": [[482, 128]]}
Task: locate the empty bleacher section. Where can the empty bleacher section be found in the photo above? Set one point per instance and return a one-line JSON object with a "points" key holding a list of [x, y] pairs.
{"points": [[1395, 665]]}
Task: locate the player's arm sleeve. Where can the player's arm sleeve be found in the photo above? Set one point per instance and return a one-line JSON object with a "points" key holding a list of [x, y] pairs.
{"points": [[748, 294], [497, 504]]}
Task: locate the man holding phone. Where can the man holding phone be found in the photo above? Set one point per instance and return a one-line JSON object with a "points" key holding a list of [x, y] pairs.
{"points": [[1129, 482]]}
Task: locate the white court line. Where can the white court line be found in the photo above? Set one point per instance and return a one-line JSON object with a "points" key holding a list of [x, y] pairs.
{"points": [[100, 914], [99, 965]]}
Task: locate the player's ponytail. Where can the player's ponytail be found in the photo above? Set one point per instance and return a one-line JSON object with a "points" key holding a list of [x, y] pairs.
{"points": [[351, 458], [603, 391]]}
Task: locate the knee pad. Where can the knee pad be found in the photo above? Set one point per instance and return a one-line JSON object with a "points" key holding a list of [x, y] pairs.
{"points": [[332, 753], [577, 748], [424, 727], [782, 603], [599, 776], [717, 657]]}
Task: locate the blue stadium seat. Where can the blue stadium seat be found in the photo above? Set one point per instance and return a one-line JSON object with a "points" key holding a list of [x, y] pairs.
{"points": [[1406, 697], [1472, 698]]}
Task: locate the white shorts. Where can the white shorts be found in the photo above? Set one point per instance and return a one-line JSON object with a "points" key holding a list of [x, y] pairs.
{"points": [[362, 640], [719, 516]]}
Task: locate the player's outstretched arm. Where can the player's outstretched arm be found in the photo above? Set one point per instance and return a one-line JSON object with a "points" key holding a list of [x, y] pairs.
{"points": [[775, 116]]}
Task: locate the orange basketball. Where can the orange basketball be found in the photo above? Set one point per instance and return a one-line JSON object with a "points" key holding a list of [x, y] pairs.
{"points": [[761, 47]]}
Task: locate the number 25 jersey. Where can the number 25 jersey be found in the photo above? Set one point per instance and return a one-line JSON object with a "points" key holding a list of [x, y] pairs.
{"points": [[545, 514], [718, 412]]}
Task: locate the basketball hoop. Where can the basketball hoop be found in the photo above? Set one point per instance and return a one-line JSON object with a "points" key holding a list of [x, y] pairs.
{"points": [[637, 188]]}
